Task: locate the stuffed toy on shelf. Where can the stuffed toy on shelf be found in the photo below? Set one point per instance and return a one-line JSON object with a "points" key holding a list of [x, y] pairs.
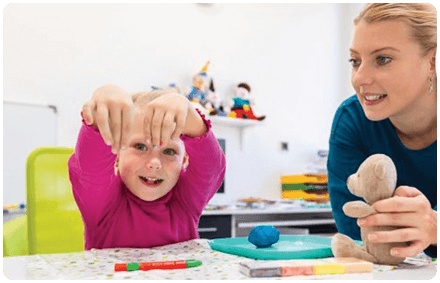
{"points": [[375, 180], [200, 85], [213, 104], [197, 94], [242, 104]]}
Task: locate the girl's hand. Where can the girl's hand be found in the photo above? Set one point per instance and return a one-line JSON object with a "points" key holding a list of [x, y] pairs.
{"points": [[168, 116], [411, 211], [164, 118], [110, 111]]}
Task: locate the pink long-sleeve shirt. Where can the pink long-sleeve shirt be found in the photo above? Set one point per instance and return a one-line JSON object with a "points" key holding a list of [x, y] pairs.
{"points": [[115, 218]]}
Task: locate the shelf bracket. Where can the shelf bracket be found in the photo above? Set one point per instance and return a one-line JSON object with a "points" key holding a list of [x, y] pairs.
{"points": [[240, 138], [241, 124]]}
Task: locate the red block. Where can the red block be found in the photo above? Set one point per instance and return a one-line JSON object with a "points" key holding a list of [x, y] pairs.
{"points": [[120, 267]]}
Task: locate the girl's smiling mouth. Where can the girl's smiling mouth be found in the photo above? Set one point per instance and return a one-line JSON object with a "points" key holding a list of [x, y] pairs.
{"points": [[151, 181]]}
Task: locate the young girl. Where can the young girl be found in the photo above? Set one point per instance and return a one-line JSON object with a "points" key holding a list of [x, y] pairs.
{"points": [[136, 183], [394, 112]]}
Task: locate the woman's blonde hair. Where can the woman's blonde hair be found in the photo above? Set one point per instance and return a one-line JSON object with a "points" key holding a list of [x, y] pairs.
{"points": [[420, 17]]}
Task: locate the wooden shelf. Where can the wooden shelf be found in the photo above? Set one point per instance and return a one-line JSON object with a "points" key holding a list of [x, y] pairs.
{"points": [[236, 123]]}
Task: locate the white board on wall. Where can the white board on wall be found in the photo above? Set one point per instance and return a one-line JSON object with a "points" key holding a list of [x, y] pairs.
{"points": [[26, 126]]}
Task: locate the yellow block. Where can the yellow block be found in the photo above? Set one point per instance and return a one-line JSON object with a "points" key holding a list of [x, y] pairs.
{"points": [[330, 268], [293, 194], [305, 178], [304, 195]]}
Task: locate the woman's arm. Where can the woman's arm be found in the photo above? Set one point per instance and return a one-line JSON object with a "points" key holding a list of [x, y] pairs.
{"points": [[342, 162]]}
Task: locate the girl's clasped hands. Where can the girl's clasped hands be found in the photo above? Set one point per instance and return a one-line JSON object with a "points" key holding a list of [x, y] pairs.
{"points": [[114, 113]]}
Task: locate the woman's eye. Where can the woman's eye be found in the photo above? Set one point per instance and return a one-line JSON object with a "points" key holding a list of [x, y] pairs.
{"points": [[383, 60], [140, 146], [354, 62], [170, 151]]}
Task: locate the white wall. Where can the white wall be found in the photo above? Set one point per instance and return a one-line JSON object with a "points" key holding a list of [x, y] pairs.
{"points": [[294, 56]]}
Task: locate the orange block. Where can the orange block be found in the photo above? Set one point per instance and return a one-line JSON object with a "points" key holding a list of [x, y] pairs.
{"points": [[297, 270], [354, 265]]}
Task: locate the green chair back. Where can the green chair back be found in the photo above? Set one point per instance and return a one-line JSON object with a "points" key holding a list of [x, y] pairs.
{"points": [[15, 241], [53, 218]]}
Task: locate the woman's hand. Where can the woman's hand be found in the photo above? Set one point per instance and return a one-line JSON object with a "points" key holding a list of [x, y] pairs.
{"points": [[110, 110], [411, 211]]}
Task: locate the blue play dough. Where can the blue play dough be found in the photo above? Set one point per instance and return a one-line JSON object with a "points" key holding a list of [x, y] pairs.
{"points": [[264, 236]]}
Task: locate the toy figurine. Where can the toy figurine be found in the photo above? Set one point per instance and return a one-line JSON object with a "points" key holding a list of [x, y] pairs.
{"points": [[199, 87], [242, 104], [213, 104]]}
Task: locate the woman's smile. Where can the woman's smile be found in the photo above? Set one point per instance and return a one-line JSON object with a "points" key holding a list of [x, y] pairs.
{"points": [[374, 99]]}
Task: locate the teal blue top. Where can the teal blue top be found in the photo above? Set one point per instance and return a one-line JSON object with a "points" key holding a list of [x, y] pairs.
{"points": [[353, 138], [240, 102]]}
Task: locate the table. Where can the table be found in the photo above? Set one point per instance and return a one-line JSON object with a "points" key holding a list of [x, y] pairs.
{"points": [[99, 264], [12, 215]]}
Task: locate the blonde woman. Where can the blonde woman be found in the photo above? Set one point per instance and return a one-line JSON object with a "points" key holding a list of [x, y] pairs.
{"points": [[394, 112]]}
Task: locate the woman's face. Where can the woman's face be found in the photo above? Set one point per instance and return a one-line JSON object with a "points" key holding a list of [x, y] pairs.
{"points": [[390, 75]]}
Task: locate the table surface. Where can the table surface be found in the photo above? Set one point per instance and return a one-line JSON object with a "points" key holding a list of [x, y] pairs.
{"points": [[99, 264]]}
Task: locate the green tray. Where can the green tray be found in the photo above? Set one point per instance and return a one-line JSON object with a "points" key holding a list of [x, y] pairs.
{"points": [[288, 247]]}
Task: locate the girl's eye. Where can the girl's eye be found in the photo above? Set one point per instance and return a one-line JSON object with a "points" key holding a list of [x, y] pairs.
{"points": [[383, 60], [170, 151], [140, 146], [354, 62]]}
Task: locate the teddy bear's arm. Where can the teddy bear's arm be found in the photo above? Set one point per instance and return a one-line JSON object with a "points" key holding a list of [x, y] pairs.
{"points": [[358, 209]]}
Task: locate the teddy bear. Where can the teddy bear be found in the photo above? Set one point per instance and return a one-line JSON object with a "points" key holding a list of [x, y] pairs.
{"points": [[375, 180]]}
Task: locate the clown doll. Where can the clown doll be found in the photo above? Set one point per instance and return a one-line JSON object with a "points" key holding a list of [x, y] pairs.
{"points": [[200, 84]]}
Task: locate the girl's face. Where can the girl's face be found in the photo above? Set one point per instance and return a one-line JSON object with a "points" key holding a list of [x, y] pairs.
{"points": [[390, 75], [151, 173]]}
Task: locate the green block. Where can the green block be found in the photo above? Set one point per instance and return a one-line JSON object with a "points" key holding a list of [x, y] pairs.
{"points": [[294, 187], [132, 266], [303, 187]]}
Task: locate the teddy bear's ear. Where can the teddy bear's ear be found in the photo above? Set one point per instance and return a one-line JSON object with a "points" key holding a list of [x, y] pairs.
{"points": [[380, 170]]}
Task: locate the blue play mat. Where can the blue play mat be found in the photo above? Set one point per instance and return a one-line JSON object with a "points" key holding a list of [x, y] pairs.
{"points": [[288, 247]]}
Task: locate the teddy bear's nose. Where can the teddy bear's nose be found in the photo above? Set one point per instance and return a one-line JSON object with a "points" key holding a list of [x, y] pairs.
{"points": [[351, 183]]}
